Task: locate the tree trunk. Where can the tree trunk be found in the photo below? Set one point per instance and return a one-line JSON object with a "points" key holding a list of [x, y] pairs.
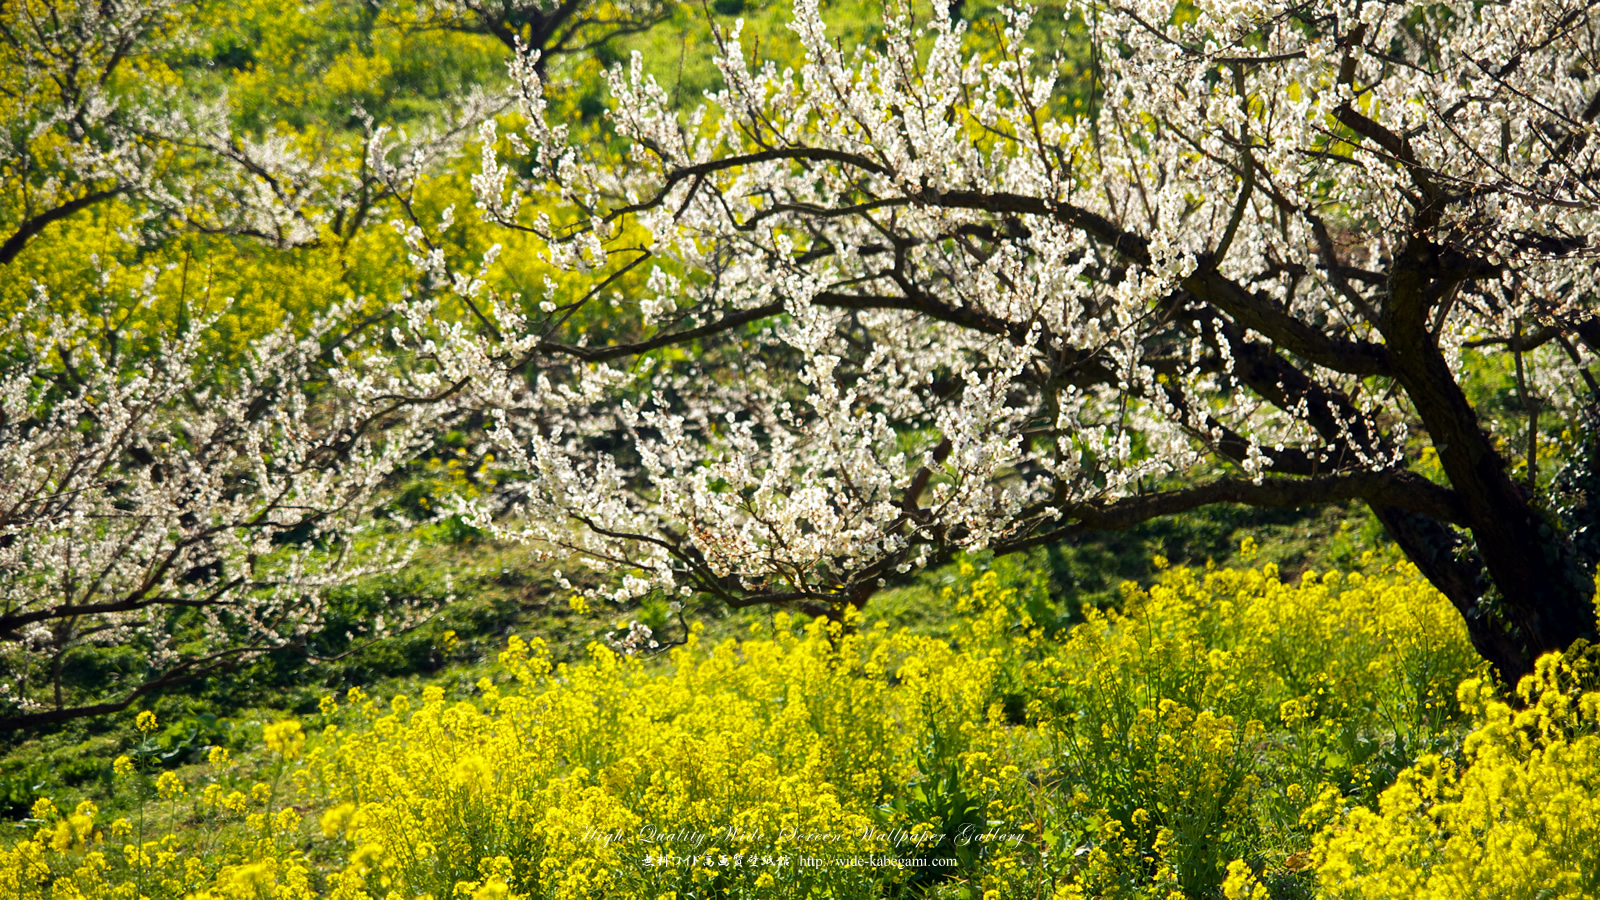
{"points": [[1542, 596]]}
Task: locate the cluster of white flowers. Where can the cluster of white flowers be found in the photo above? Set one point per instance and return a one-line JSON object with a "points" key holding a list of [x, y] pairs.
{"points": [[157, 506], [930, 304], [638, 638]]}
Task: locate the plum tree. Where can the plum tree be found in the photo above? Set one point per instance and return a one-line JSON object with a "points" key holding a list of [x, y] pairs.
{"points": [[913, 300]]}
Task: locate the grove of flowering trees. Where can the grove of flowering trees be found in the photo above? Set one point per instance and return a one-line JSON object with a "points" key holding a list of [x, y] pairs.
{"points": [[970, 285]]}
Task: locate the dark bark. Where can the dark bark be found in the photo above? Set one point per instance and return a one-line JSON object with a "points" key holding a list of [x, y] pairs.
{"points": [[28, 230], [1541, 599], [573, 26], [183, 673]]}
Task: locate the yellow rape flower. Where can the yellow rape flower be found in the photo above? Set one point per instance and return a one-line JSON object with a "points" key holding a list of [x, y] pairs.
{"points": [[286, 738], [494, 889], [1131, 747], [335, 819], [169, 786]]}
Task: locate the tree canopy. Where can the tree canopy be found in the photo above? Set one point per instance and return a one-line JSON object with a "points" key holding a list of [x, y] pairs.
{"points": [[906, 300]]}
